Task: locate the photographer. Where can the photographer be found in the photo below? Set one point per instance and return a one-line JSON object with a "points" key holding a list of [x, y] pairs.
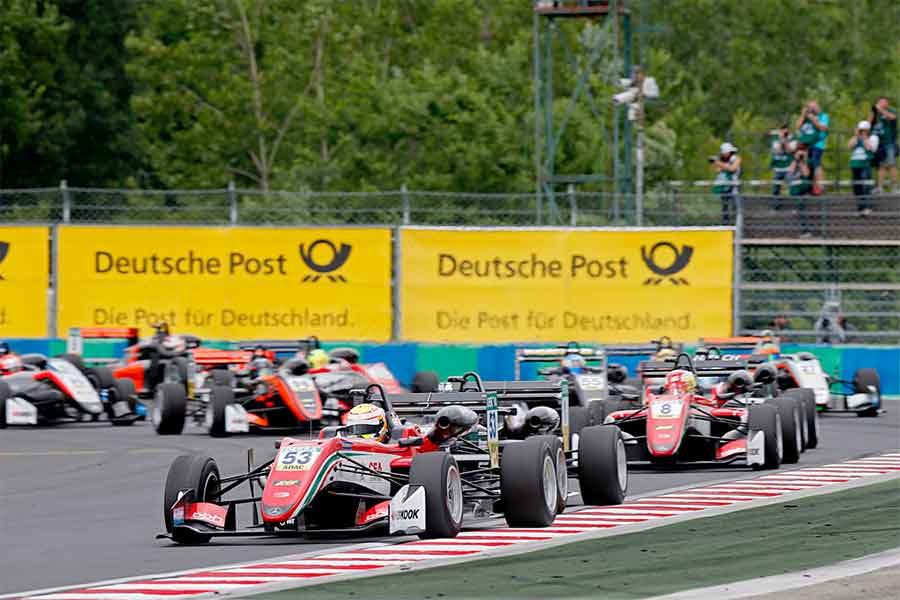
{"points": [[812, 131], [780, 160], [728, 175], [863, 146], [884, 127], [799, 178]]}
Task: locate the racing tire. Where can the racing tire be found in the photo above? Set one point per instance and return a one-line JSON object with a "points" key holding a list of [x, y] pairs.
{"points": [[75, 360], [221, 377], [862, 379], [100, 377], [807, 400], [765, 418], [197, 472], [5, 394], [789, 409], [179, 366], [123, 390], [578, 420], [602, 466], [220, 397], [169, 409], [439, 474], [424, 381], [529, 488]]}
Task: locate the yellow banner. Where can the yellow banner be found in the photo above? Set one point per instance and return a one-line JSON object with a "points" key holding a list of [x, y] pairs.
{"points": [[484, 286], [24, 274], [228, 283]]}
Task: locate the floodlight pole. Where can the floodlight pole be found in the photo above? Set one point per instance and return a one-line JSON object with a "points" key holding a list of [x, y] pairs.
{"points": [[639, 149]]}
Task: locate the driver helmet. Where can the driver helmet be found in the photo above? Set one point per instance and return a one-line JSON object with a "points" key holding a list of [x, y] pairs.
{"points": [[318, 358], [367, 421], [681, 381], [768, 345], [11, 363], [575, 363], [665, 353], [4, 348]]}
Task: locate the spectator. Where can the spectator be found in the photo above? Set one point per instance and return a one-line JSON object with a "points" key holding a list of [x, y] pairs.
{"points": [[728, 175], [850, 330], [799, 178], [862, 150], [812, 131], [779, 325], [884, 126], [780, 160]]}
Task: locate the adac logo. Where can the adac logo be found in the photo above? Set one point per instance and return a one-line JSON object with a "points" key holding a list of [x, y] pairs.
{"points": [[681, 259], [4, 250], [338, 257]]}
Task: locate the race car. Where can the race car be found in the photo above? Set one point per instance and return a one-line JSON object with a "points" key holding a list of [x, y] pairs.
{"points": [[373, 474], [35, 389], [861, 395], [711, 412], [238, 391], [541, 408]]}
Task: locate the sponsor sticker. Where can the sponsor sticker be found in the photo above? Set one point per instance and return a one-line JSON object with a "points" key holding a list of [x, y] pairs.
{"points": [[286, 482]]}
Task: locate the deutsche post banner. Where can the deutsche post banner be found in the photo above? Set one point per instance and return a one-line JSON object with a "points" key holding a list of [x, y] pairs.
{"points": [[24, 275], [228, 283], [486, 286]]}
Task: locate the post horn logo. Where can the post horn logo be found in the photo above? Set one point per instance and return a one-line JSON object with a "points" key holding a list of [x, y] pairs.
{"points": [[681, 260], [4, 250], [338, 258]]}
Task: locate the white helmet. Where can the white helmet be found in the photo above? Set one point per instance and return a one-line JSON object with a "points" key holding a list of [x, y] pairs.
{"points": [[367, 421]]}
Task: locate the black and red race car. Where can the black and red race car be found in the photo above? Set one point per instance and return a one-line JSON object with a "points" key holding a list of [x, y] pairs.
{"points": [[36, 389], [712, 412], [410, 480]]}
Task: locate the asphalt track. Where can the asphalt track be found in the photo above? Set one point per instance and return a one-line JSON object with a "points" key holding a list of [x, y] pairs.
{"points": [[82, 503]]}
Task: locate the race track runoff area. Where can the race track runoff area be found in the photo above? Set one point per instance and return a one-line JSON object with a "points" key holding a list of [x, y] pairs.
{"points": [[579, 525]]}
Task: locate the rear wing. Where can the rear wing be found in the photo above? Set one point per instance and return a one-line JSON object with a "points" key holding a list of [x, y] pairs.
{"points": [[747, 342], [209, 357], [545, 355], [702, 368], [77, 335]]}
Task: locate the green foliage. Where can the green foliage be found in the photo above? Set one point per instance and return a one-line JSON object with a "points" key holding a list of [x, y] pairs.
{"points": [[434, 94]]}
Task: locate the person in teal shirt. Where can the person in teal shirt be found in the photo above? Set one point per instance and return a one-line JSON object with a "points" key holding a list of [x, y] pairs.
{"points": [[780, 160], [812, 131], [884, 127], [800, 177], [728, 177], [863, 146]]}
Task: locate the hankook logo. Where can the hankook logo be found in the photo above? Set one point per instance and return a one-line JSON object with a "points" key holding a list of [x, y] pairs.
{"points": [[4, 250], [338, 258], [681, 260]]}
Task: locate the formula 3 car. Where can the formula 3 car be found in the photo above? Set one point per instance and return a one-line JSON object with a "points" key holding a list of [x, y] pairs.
{"points": [[408, 481], [35, 389], [861, 395], [711, 412]]}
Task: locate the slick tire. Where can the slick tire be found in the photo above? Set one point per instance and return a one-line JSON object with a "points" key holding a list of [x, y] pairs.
{"points": [[562, 470], [169, 409], [439, 474], [123, 390], [75, 360], [197, 472], [100, 377], [220, 397], [424, 381], [765, 418], [862, 379], [807, 399], [578, 420], [221, 377], [789, 410], [602, 465], [5, 394], [529, 489]]}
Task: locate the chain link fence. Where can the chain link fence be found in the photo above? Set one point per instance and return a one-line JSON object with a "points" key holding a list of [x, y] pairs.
{"points": [[802, 260]]}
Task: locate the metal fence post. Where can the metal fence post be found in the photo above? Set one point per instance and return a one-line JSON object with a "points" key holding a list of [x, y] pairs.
{"points": [[404, 194], [396, 274], [573, 206], [737, 272], [232, 204], [66, 201], [53, 283]]}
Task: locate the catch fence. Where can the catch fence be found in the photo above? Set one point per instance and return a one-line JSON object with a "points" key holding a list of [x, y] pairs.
{"points": [[803, 261]]}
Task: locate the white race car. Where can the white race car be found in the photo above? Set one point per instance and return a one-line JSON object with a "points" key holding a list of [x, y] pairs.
{"points": [[861, 395]]}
